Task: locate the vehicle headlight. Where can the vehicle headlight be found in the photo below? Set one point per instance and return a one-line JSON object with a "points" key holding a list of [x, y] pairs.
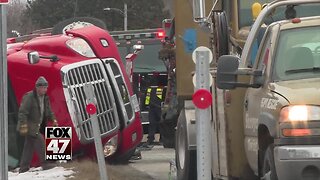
{"points": [[111, 146], [81, 46], [300, 113]]}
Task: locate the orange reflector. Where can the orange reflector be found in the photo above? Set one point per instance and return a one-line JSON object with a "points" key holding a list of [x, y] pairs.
{"points": [[296, 132], [296, 20]]}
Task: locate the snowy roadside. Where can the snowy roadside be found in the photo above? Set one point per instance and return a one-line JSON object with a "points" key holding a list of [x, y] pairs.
{"points": [[57, 173]]}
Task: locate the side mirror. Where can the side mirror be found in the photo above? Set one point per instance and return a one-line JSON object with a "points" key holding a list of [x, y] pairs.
{"points": [[33, 57], [138, 47], [227, 72]]}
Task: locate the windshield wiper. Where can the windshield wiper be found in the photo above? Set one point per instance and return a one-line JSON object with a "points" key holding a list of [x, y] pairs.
{"points": [[292, 71]]}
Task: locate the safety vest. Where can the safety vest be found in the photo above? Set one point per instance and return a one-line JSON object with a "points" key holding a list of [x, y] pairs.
{"points": [[158, 93]]}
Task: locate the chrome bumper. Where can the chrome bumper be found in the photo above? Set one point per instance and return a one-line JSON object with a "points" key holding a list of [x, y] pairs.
{"points": [[298, 152], [297, 162]]}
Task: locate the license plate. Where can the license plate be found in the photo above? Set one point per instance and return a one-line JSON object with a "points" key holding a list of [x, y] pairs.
{"points": [[135, 103]]}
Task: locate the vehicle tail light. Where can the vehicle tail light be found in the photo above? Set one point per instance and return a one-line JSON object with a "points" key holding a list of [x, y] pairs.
{"points": [[296, 132], [161, 34]]}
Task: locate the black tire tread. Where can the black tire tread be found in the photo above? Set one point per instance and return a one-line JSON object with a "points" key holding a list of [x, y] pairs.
{"points": [[188, 173], [269, 161]]}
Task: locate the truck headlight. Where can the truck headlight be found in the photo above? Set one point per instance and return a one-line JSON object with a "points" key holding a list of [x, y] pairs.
{"points": [[300, 113], [111, 146], [81, 46]]}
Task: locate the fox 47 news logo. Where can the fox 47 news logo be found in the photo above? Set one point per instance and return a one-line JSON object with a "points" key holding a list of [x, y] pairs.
{"points": [[58, 143]]}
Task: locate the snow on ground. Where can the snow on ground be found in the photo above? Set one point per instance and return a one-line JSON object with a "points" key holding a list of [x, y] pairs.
{"points": [[57, 173]]}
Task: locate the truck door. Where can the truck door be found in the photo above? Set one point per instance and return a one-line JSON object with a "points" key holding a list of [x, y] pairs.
{"points": [[254, 99]]}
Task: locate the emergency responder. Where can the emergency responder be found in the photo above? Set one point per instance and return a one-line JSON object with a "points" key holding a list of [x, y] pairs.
{"points": [[153, 99], [34, 110]]}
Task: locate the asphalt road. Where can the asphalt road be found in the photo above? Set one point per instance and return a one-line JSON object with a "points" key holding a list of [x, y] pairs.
{"points": [[155, 163]]}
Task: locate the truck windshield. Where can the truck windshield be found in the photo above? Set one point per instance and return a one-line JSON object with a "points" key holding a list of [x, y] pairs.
{"points": [[298, 54], [147, 60], [245, 12]]}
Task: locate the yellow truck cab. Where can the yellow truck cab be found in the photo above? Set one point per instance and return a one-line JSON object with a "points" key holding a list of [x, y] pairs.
{"points": [[281, 106]]}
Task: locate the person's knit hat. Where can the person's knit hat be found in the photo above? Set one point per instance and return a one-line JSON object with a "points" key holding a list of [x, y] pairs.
{"points": [[41, 82]]}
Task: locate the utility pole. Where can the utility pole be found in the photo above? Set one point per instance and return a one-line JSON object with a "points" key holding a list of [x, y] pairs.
{"points": [[124, 13], [125, 16]]}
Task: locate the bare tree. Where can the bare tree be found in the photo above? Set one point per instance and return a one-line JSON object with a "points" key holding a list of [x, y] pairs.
{"points": [[169, 6], [16, 25]]}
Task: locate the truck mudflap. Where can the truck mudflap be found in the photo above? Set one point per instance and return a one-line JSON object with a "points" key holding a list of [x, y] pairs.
{"points": [[297, 162]]}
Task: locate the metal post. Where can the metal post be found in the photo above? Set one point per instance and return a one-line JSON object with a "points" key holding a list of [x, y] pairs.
{"points": [[88, 89], [124, 13], [3, 96], [203, 117], [125, 16], [199, 10]]}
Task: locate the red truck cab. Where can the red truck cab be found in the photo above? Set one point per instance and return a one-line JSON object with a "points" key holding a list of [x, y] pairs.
{"points": [[69, 61]]}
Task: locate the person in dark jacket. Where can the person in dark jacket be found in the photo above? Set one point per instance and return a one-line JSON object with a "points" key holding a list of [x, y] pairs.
{"points": [[153, 99], [34, 110]]}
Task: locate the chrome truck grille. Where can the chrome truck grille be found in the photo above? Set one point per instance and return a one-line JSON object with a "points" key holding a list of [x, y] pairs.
{"points": [[123, 98], [74, 77]]}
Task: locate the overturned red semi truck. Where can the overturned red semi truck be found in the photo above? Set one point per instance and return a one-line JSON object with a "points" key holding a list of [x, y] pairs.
{"points": [[69, 61]]}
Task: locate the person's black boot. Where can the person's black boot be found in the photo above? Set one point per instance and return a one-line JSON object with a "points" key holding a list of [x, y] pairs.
{"points": [[147, 146], [136, 155], [47, 166], [22, 170]]}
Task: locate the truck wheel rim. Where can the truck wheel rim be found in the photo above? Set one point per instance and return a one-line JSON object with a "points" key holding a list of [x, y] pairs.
{"points": [[181, 146]]}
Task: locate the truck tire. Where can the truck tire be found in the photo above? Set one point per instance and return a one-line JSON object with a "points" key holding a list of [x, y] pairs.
{"points": [[58, 28], [268, 168], [221, 32], [121, 160], [167, 131], [186, 160]]}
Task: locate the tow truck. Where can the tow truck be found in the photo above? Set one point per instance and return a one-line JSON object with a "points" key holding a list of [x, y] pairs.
{"points": [[269, 128]]}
